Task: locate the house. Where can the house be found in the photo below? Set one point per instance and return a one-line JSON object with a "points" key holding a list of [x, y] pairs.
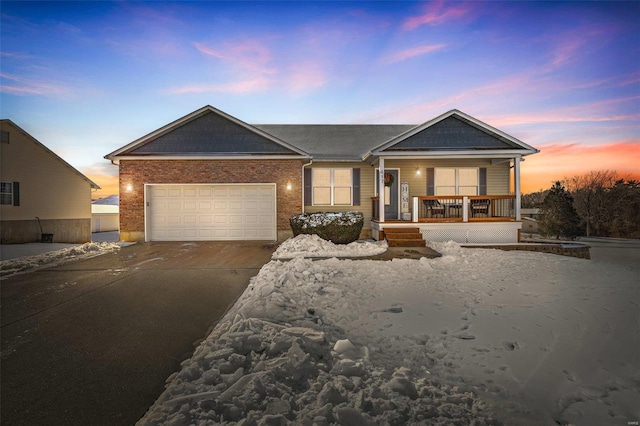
{"points": [[530, 217], [211, 176], [105, 214], [42, 197]]}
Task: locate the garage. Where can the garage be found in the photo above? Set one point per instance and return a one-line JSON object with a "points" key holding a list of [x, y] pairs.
{"points": [[207, 212]]}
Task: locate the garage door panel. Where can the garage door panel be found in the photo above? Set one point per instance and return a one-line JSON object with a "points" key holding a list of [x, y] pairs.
{"points": [[236, 219], [211, 212], [205, 219]]}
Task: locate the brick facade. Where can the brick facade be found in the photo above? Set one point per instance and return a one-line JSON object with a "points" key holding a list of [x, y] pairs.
{"points": [[139, 172]]}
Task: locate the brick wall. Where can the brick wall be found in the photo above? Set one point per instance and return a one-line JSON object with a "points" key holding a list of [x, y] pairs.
{"points": [[139, 172]]}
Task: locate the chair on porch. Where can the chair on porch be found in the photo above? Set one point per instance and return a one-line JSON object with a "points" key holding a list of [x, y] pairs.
{"points": [[480, 207], [434, 208]]}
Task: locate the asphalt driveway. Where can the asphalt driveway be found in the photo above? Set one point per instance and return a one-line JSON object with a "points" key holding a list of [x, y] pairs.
{"points": [[92, 342]]}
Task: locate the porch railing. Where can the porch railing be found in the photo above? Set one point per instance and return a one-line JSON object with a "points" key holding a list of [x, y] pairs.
{"points": [[457, 208], [464, 208]]}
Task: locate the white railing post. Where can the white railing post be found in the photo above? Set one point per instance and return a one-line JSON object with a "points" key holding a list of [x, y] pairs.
{"points": [[414, 210], [465, 209]]}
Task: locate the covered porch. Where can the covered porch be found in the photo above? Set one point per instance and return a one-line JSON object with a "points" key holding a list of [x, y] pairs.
{"points": [[463, 219]]}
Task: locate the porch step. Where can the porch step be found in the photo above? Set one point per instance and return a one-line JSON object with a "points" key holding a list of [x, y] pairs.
{"points": [[404, 237]]}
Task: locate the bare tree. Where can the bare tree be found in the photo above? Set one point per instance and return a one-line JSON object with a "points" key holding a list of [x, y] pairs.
{"points": [[590, 198]]}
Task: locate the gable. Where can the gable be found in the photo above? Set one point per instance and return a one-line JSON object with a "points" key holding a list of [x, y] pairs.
{"points": [[453, 133], [209, 134], [22, 153]]}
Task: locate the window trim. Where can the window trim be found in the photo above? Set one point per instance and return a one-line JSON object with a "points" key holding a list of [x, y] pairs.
{"points": [[332, 186], [9, 195]]}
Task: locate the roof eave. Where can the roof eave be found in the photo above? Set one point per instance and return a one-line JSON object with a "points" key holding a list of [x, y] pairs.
{"points": [[116, 160], [456, 154]]}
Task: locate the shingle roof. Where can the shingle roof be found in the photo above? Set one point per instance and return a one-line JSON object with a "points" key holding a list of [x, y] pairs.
{"points": [[209, 133], [336, 142]]}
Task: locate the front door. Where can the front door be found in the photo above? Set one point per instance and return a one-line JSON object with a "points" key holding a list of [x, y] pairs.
{"points": [[390, 194]]}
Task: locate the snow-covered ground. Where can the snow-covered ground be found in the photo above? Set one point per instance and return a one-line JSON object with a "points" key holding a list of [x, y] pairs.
{"points": [[474, 337], [20, 258], [313, 246]]}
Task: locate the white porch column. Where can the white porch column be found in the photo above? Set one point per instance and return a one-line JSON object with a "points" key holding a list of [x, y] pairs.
{"points": [[516, 185], [381, 190], [414, 210], [465, 209]]}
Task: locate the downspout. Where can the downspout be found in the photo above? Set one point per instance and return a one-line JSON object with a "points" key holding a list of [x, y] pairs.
{"points": [[303, 166]]}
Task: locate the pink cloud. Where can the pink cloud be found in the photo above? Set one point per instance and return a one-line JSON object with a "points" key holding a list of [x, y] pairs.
{"points": [[600, 111], [436, 13], [305, 77], [413, 52], [250, 55], [17, 85], [258, 84]]}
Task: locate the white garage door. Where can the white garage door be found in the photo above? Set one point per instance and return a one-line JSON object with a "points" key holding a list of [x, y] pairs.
{"points": [[211, 212]]}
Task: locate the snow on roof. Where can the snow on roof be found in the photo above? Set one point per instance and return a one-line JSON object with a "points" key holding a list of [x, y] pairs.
{"points": [[112, 200]]}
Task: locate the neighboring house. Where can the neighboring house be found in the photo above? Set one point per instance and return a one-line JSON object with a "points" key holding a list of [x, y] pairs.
{"points": [[210, 176], [105, 214], [40, 192], [530, 218]]}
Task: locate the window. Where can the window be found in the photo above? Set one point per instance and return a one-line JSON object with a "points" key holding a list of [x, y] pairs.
{"points": [[6, 193], [332, 187], [461, 181], [4, 136]]}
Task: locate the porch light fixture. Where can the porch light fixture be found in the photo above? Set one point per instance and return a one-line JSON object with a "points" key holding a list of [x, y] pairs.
{"points": [[418, 172], [129, 187], [289, 186]]}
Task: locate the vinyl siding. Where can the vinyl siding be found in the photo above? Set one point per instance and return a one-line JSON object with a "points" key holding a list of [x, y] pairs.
{"points": [[498, 176], [49, 188], [366, 191]]}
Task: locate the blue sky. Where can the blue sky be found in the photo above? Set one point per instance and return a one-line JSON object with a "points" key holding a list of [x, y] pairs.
{"points": [[86, 78]]}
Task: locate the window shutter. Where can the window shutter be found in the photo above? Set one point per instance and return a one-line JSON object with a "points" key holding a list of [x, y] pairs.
{"points": [[307, 187], [431, 173], [355, 175], [482, 184], [16, 193]]}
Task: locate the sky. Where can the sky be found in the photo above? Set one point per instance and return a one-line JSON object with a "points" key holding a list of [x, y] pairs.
{"points": [[86, 78]]}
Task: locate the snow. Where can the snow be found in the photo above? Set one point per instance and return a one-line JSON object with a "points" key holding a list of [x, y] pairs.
{"points": [[307, 245], [20, 258], [315, 220], [476, 336]]}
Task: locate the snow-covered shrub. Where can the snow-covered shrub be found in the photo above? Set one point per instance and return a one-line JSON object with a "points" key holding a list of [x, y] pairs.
{"points": [[339, 228]]}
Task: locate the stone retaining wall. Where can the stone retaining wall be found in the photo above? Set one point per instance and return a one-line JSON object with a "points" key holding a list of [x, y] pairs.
{"points": [[569, 249]]}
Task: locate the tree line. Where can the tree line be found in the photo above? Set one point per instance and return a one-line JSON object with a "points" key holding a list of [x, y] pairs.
{"points": [[599, 203]]}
